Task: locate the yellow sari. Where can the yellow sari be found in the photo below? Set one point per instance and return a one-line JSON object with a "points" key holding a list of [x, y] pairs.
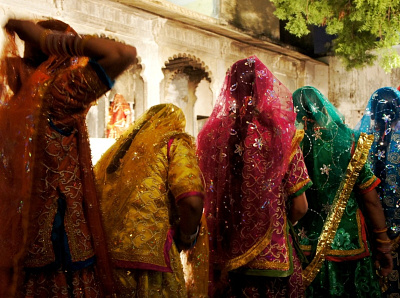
{"points": [[141, 177]]}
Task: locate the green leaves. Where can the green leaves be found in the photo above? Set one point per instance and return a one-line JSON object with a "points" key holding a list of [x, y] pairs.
{"points": [[366, 30]]}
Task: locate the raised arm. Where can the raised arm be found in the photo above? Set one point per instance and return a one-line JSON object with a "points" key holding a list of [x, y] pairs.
{"points": [[113, 56]]}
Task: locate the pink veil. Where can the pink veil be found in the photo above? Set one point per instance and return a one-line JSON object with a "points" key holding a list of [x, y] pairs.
{"points": [[244, 150]]}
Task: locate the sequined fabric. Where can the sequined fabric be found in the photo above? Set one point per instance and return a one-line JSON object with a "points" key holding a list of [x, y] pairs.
{"points": [[45, 158], [248, 154], [54, 284], [141, 177], [60, 167], [151, 283], [333, 230], [381, 120]]}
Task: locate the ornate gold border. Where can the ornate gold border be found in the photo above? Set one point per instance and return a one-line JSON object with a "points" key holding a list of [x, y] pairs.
{"points": [[339, 204], [337, 252]]}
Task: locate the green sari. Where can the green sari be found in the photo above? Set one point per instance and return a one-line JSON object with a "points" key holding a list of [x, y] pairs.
{"points": [[333, 233]]}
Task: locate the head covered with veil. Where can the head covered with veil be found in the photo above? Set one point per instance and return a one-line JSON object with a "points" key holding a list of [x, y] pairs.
{"points": [[244, 150], [328, 140], [381, 118]]}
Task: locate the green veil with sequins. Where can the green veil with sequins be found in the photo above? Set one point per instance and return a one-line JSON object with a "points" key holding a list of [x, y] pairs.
{"points": [[327, 142], [334, 228]]}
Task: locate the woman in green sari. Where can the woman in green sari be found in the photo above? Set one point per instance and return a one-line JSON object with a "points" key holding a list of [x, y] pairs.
{"points": [[334, 232]]}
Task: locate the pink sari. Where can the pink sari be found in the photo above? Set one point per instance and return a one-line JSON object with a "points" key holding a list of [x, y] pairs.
{"points": [[244, 152]]}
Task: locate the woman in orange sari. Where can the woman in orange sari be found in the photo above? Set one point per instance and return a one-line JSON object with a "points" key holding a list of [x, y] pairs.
{"points": [[51, 234]]}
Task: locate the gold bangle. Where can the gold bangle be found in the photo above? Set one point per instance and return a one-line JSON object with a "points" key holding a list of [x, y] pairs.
{"points": [[378, 231], [383, 241], [42, 41]]}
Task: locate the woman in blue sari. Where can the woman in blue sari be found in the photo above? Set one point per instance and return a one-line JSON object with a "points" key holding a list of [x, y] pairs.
{"points": [[381, 119]]}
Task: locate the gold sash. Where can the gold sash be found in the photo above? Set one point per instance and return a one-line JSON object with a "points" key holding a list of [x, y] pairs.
{"points": [[339, 205]]}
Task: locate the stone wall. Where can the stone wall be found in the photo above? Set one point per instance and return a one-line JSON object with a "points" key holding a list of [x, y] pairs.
{"points": [[210, 47], [350, 91]]}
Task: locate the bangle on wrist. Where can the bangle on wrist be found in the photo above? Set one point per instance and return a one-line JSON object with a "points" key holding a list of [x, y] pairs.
{"points": [[388, 241], [379, 231], [42, 41]]}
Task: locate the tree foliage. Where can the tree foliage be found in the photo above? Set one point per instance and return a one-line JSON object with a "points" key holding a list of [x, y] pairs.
{"points": [[365, 30]]}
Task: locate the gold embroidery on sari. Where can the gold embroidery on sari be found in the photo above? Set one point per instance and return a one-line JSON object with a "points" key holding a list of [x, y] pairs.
{"points": [[339, 204]]}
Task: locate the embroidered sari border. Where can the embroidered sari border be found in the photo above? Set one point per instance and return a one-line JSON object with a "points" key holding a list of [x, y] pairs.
{"points": [[273, 269], [353, 254], [298, 137], [375, 183], [300, 188], [251, 253], [339, 204]]}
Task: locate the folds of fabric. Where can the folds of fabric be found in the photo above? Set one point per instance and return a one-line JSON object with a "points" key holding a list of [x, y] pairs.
{"points": [[333, 229], [338, 207], [381, 120], [26, 112], [139, 186], [244, 152], [20, 114]]}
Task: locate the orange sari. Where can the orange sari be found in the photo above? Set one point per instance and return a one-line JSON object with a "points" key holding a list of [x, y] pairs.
{"points": [[46, 157]]}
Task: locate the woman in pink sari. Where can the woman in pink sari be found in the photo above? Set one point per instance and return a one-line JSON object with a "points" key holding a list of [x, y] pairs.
{"points": [[255, 181]]}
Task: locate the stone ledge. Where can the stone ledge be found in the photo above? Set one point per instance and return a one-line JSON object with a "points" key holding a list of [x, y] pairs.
{"points": [[174, 12]]}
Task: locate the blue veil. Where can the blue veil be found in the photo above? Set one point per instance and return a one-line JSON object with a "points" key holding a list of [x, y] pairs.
{"points": [[381, 118]]}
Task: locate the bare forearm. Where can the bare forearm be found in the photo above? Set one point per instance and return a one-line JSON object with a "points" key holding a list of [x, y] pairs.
{"points": [[374, 210], [190, 211], [114, 57], [26, 30], [298, 208], [381, 241]]}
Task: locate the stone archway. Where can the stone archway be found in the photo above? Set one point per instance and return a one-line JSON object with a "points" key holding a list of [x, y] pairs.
{"points": [[183, 74]]}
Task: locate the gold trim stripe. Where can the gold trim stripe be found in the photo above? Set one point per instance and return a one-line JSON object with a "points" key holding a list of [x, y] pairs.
{"points": [[337, 252], [298, 137], [252, 252], [339, 204]]}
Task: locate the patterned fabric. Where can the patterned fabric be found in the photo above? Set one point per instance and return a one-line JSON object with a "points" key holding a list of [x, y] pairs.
{"points": [[333, 230], [277, 255], [141, 177], [250, 158], [264, 286], [381, 119], [46, 284], [46, 160], [346, 279], [61, 174], [152, 283]]}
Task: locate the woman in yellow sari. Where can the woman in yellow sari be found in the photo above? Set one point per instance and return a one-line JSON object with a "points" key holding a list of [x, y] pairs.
{"points": [[152, 201]]}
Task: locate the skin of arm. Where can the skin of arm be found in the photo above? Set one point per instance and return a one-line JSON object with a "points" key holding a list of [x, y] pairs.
{"points": [[298, 208], [113, 56], [190, 210], [374, 211]]}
